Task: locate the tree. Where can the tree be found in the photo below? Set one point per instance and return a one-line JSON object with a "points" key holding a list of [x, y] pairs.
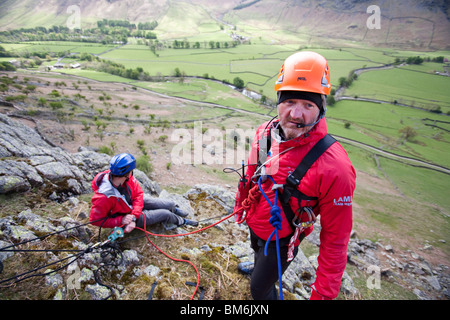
{"points": [[177, 72], [331, 100], [343, 82], [238, 83], [407, 133]]}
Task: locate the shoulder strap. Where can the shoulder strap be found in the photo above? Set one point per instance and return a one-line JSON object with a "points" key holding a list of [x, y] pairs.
{"points": [[290, 188], [320, 147]]}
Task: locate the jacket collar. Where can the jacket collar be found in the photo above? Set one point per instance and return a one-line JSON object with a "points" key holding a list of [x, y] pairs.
{"points": [[106, 188]]}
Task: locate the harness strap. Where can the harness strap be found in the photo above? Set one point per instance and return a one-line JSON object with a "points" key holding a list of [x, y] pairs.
{"points": [[320, 147], [290, 188]]}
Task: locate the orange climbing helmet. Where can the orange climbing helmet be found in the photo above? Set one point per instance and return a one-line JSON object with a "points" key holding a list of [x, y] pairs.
{"points": [[304, 71]]}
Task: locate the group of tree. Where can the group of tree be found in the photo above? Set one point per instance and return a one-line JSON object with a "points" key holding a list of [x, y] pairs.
{"points": [[347, 81], [118, 69], [107, 31], [127, 24], [6, 66], [420, 60], [115, 23], [184, 44]]}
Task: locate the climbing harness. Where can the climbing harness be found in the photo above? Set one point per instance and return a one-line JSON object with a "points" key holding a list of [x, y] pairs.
{"points": [[290, 189]]}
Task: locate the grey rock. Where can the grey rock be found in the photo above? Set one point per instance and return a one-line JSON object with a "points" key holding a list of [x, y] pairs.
{"points": [[53, 279], [5, 254], [97, 291], [9, 184], [35, 222], [152, 271]]}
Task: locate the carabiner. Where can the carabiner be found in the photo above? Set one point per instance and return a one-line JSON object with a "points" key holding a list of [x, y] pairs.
{"points": [[298, 223]]}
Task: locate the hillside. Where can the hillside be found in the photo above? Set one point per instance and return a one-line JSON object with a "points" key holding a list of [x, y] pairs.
{"points": [[312, 22], [412, 259], [186, 99]]}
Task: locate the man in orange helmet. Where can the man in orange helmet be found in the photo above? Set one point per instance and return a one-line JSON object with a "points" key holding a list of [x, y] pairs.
{"points": [[302, 173]]}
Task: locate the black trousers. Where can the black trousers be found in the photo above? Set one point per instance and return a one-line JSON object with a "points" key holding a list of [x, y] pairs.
{"points": [[265, 272], [158, 210]]}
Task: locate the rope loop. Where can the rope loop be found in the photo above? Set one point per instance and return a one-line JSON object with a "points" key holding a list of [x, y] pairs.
{"points": [[275, 219]]}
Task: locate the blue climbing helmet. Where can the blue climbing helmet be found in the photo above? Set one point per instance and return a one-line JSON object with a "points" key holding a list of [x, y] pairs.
{"points": [[121, 164]]}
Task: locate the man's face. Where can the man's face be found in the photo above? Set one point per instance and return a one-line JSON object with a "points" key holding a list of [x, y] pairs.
{"points": [[297, 111]]}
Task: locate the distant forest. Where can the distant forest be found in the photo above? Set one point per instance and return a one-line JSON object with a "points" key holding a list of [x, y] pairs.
{"points": [[107, 31]]}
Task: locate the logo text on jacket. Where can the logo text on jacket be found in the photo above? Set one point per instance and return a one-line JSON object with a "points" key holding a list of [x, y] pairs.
{"points": [[343, 201]]}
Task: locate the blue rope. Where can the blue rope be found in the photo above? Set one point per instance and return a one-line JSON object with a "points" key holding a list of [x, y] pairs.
{"points": [[275, 220]]}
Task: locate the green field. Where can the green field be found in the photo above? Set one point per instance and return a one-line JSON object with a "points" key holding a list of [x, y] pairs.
{"points": [[379, 124], [256, 64], [417, 86], [57, 46]]}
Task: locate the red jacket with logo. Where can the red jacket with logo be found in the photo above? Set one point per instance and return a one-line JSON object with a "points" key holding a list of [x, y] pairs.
{"points": [[331, 179], [108, 201]]}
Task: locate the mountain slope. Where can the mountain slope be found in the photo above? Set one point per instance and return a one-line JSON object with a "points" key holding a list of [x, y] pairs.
{"points": [[406, 24]]}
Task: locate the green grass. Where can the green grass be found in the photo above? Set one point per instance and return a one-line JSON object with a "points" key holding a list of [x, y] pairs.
{"points": [[205, 91], [95, 75], [379, 124], [414, 204], [413, 85], [57, 46], [425, 185], [257, 65], [185, 19]]}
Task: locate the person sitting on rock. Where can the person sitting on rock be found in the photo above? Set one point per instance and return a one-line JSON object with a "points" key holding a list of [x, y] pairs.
{"points": [[118, 200]]}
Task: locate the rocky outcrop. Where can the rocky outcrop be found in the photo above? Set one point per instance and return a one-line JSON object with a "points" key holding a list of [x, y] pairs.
{"points": [[27, 161], [406, 268]]}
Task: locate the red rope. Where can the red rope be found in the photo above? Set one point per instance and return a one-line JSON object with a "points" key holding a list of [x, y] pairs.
{"points": [[175, 259], [253, 197], [180, 235]]}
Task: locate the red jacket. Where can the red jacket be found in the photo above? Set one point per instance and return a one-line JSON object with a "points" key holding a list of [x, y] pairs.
{"points": [[107, 201], [331, 179]]}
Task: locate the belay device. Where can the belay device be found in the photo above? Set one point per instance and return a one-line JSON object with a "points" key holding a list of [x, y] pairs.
{"points": [[117, 233]]}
